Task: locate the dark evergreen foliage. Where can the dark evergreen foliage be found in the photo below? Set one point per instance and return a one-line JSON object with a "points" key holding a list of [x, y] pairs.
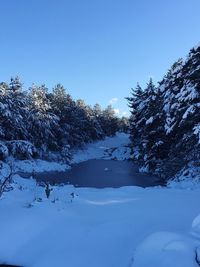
{"points": [[165, 120], [36, 121]]}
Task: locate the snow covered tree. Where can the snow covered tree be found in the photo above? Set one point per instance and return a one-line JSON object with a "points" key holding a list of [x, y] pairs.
{"points": [[15, 84], [13, 113], [43, 124], [165, 119], [35, 122], [124, 124], [110, 122]]}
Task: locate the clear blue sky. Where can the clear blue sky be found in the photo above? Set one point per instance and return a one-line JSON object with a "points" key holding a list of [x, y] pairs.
{"points": [[98, 49]]}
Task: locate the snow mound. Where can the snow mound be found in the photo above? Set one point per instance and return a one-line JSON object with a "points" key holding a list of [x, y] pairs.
{"points": [[38, 165], [164, 249], [196, 227], [187, 178]]}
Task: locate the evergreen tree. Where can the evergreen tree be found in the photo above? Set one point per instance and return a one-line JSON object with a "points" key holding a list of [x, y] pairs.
{"points": [[15, 84], [43, 124], [109, 121], [165, 122], [36, 122]]}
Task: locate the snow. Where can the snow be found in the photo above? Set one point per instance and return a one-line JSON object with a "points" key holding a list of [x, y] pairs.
{"points": [[190, 110], [188, 92], [144, 169], [110, 147], [197, 131], [3, 151], [149, 121], [169, 125], [196, 227], [159, 143], [38, 165], [128, 226], [98, 228], [197, 46], [188, 178], [165, 249]]}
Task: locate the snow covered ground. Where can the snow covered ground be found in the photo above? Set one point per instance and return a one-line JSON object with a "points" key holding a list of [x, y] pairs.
{"points": [[124, 227], [39, 165], [109, 148], [187, 178]]}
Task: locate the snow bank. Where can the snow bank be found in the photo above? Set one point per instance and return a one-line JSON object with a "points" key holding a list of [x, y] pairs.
{"points": [[38, 165], [97, 227], [103, 149], [165, 249], [187, 178]]}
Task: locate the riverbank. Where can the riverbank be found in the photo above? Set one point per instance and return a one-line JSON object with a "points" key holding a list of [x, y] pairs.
{"points": [[85, 227], [110, 148]]}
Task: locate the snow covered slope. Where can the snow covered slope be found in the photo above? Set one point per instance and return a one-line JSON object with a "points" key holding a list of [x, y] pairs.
{"points": [[111, 147], [124, 227]]}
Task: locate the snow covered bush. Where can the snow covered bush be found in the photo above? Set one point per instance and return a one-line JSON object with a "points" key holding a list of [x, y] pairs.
{"points": [[6, 174], [66, 154], [3, 151], [21, 149]]}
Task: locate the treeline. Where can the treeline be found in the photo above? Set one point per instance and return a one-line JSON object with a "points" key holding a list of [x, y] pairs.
{"points": [[36, 121], [165, 119]]}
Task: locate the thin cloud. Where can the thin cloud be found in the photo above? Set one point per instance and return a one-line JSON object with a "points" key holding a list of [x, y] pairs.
{"points": [[113, 100]]}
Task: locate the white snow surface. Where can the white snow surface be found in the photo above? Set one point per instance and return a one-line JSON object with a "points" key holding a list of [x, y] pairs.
{"points": [[39, 165], [109, 148], [123, 227], [188, 178], [128, 226]]}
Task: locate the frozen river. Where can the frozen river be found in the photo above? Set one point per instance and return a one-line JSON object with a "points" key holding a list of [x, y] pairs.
{"points": [[100, 174]]}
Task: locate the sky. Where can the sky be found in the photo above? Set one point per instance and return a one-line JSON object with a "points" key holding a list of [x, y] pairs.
{"points": [[98, 49]]}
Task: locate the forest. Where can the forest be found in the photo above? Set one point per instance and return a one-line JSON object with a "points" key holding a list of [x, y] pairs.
{"points": [[165, 119], [34, 122]]}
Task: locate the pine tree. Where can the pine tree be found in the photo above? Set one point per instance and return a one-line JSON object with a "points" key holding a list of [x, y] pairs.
{"points": [[15, 84], [43, 124], [165, 120], [36, 122], [110, 123]]}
